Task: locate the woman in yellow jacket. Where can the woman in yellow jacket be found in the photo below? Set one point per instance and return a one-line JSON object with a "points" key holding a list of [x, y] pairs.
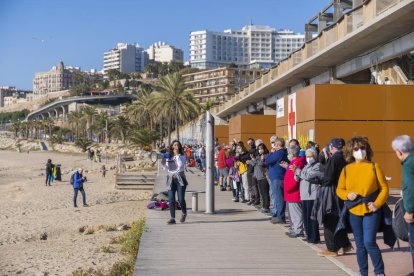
{"points": [[362, 178]]}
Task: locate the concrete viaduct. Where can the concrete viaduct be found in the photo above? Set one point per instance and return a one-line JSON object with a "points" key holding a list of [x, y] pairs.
{"points": [[60, 108]]}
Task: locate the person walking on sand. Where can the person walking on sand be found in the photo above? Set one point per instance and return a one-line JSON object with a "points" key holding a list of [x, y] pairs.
{"points": [[49, 171], [78, 180], [103, 170], [174, 163]]}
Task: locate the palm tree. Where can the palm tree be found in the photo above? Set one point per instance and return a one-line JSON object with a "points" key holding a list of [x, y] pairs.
{"points": [[75, 117], [208, 105], [144, 138], [49, 123], [141, 111], [100, 124], [121, 125], [89, 114], [15, 128], [173, 101]]}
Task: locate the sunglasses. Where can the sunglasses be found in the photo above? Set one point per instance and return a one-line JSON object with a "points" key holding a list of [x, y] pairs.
{"points": [[359, 148]]}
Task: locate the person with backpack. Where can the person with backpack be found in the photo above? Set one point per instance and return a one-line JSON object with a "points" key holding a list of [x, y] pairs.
{"points": [[49, 171], [364, 180], [404, 149], [78, 181]]}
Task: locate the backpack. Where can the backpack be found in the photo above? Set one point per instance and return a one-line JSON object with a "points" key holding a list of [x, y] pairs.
{"points": [[72, 179], [399, 225]]}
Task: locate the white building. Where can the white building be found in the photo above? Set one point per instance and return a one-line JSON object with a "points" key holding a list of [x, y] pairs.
{"points": [[126, 58], [162, 52], [252, 46]]}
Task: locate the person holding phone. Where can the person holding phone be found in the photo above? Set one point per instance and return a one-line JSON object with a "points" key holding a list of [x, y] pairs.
{"points": [[174, 162], [78, 181]]}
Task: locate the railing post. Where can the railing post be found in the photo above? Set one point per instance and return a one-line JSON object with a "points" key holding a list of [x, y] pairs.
{"points": [[209, 163]]}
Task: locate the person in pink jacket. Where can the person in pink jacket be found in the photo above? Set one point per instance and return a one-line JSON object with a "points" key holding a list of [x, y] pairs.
{"points": [[292, 191]]}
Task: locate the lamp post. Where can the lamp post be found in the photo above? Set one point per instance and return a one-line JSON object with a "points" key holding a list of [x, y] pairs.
{"points": [[209, 163]]}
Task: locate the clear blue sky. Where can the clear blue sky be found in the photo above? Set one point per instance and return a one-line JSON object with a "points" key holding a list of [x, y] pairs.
{"points": [[36, 34]]}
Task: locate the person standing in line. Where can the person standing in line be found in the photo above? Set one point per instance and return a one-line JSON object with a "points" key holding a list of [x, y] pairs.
{"points": [[292, 191], [49, 171], [260, 175], [276, 174], [242, 156], [252, 188], [364, 180], [78, 181], [339, 244], [404, 149], [309, 178], [174, 162], [222, 167]]}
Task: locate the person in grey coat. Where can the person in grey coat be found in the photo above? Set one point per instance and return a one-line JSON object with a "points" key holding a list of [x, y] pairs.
{"points": [[309, 176]]}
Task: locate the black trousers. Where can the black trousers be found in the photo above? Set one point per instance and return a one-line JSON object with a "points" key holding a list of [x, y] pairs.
{"points": [[264, 192], [333, 244], [311, 226]]}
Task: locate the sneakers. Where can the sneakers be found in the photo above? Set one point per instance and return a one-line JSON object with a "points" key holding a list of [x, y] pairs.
{"points": [[171, 221], [85, 205], [182, 219], [249, 203], [294, 235], [235, 199], [243, 201], [327, 253], [343, 250]]}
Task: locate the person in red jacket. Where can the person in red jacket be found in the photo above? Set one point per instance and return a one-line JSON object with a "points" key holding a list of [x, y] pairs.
{"points": [[292, 191], [222, 168]]}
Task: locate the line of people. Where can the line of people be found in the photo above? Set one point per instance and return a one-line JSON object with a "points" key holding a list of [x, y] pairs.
{"points": [[314, 187]]}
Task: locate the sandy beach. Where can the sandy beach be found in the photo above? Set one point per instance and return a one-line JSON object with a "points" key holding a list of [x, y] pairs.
{"points": [[28, 209]]}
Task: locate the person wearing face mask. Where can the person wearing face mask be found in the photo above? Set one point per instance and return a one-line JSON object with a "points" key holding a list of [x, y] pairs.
{"points": [[252, 189], [276, 175], [174, 162], [365, 180], [404, 149], [309, 178], [242, 155], [339, 244], [292, 191], [260, 175]]}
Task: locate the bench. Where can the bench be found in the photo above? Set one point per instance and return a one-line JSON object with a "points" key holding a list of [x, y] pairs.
{"points": [[194, 199]]}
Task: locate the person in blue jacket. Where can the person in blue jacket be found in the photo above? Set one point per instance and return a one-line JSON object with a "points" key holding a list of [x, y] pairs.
{"points": [[276, 174], [78, 180]]}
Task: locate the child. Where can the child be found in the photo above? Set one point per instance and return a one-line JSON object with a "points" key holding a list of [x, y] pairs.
{"points": [[103, 170], [235, 181]]}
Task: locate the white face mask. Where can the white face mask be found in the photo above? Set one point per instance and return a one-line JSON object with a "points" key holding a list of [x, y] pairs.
{"points": [[359, 155], [261, 151], [290, 158], [310, 160], [274, 145]]}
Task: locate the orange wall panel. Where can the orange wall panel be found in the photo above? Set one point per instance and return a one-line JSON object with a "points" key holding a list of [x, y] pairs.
{"points": [[258, 124], [221, 132], [305, 104], [399, 102]]}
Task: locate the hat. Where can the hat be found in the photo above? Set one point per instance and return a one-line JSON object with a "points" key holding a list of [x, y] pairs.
{"points": [[273, 139], [337, 143], [258, 142]]}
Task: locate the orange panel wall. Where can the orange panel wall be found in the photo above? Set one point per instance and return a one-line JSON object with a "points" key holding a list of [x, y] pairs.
{"points": [[221, 132]]}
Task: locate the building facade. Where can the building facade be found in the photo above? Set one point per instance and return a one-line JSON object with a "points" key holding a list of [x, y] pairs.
{"points": [[218, 84], [162, 52], [126, 58], [252, 46], [60, 78], [5, 92]]}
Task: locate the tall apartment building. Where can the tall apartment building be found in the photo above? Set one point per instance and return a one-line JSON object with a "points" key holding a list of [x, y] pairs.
{"points": [[162, 52], [218, 84], [126, 58], [252, 46], [6, 91]]}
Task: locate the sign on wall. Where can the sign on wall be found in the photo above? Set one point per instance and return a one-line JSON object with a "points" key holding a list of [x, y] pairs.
{"points": [[292, 116], [280, 108]]}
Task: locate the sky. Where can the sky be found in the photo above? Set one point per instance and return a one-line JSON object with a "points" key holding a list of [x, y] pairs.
{"points": [[36, 34]]}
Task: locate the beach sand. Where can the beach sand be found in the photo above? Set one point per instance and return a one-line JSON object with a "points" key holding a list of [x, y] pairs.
{"points": [[28, 209]]}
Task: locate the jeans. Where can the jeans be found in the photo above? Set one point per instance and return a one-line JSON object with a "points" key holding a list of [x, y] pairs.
{"points": [[224, 173], [295, 217], [278, 202], [176, 187], [311, 226], [334, 243], [75, 196], [365, 233], [264, 192], [411, 237], [48, 179]]}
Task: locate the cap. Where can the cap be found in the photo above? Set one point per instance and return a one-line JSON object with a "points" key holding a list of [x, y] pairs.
{"points": [[337, 143], [273, 139]]}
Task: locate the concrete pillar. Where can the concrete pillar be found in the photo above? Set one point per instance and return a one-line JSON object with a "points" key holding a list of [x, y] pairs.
{"points": [[50, 114], [309, 30], [63, 113], [209, 163], [323, 21], [42, 116], [269, 110], [56, 113]]}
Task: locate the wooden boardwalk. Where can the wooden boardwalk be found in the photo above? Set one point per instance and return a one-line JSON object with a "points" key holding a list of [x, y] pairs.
{"points": [[237, 240]]}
